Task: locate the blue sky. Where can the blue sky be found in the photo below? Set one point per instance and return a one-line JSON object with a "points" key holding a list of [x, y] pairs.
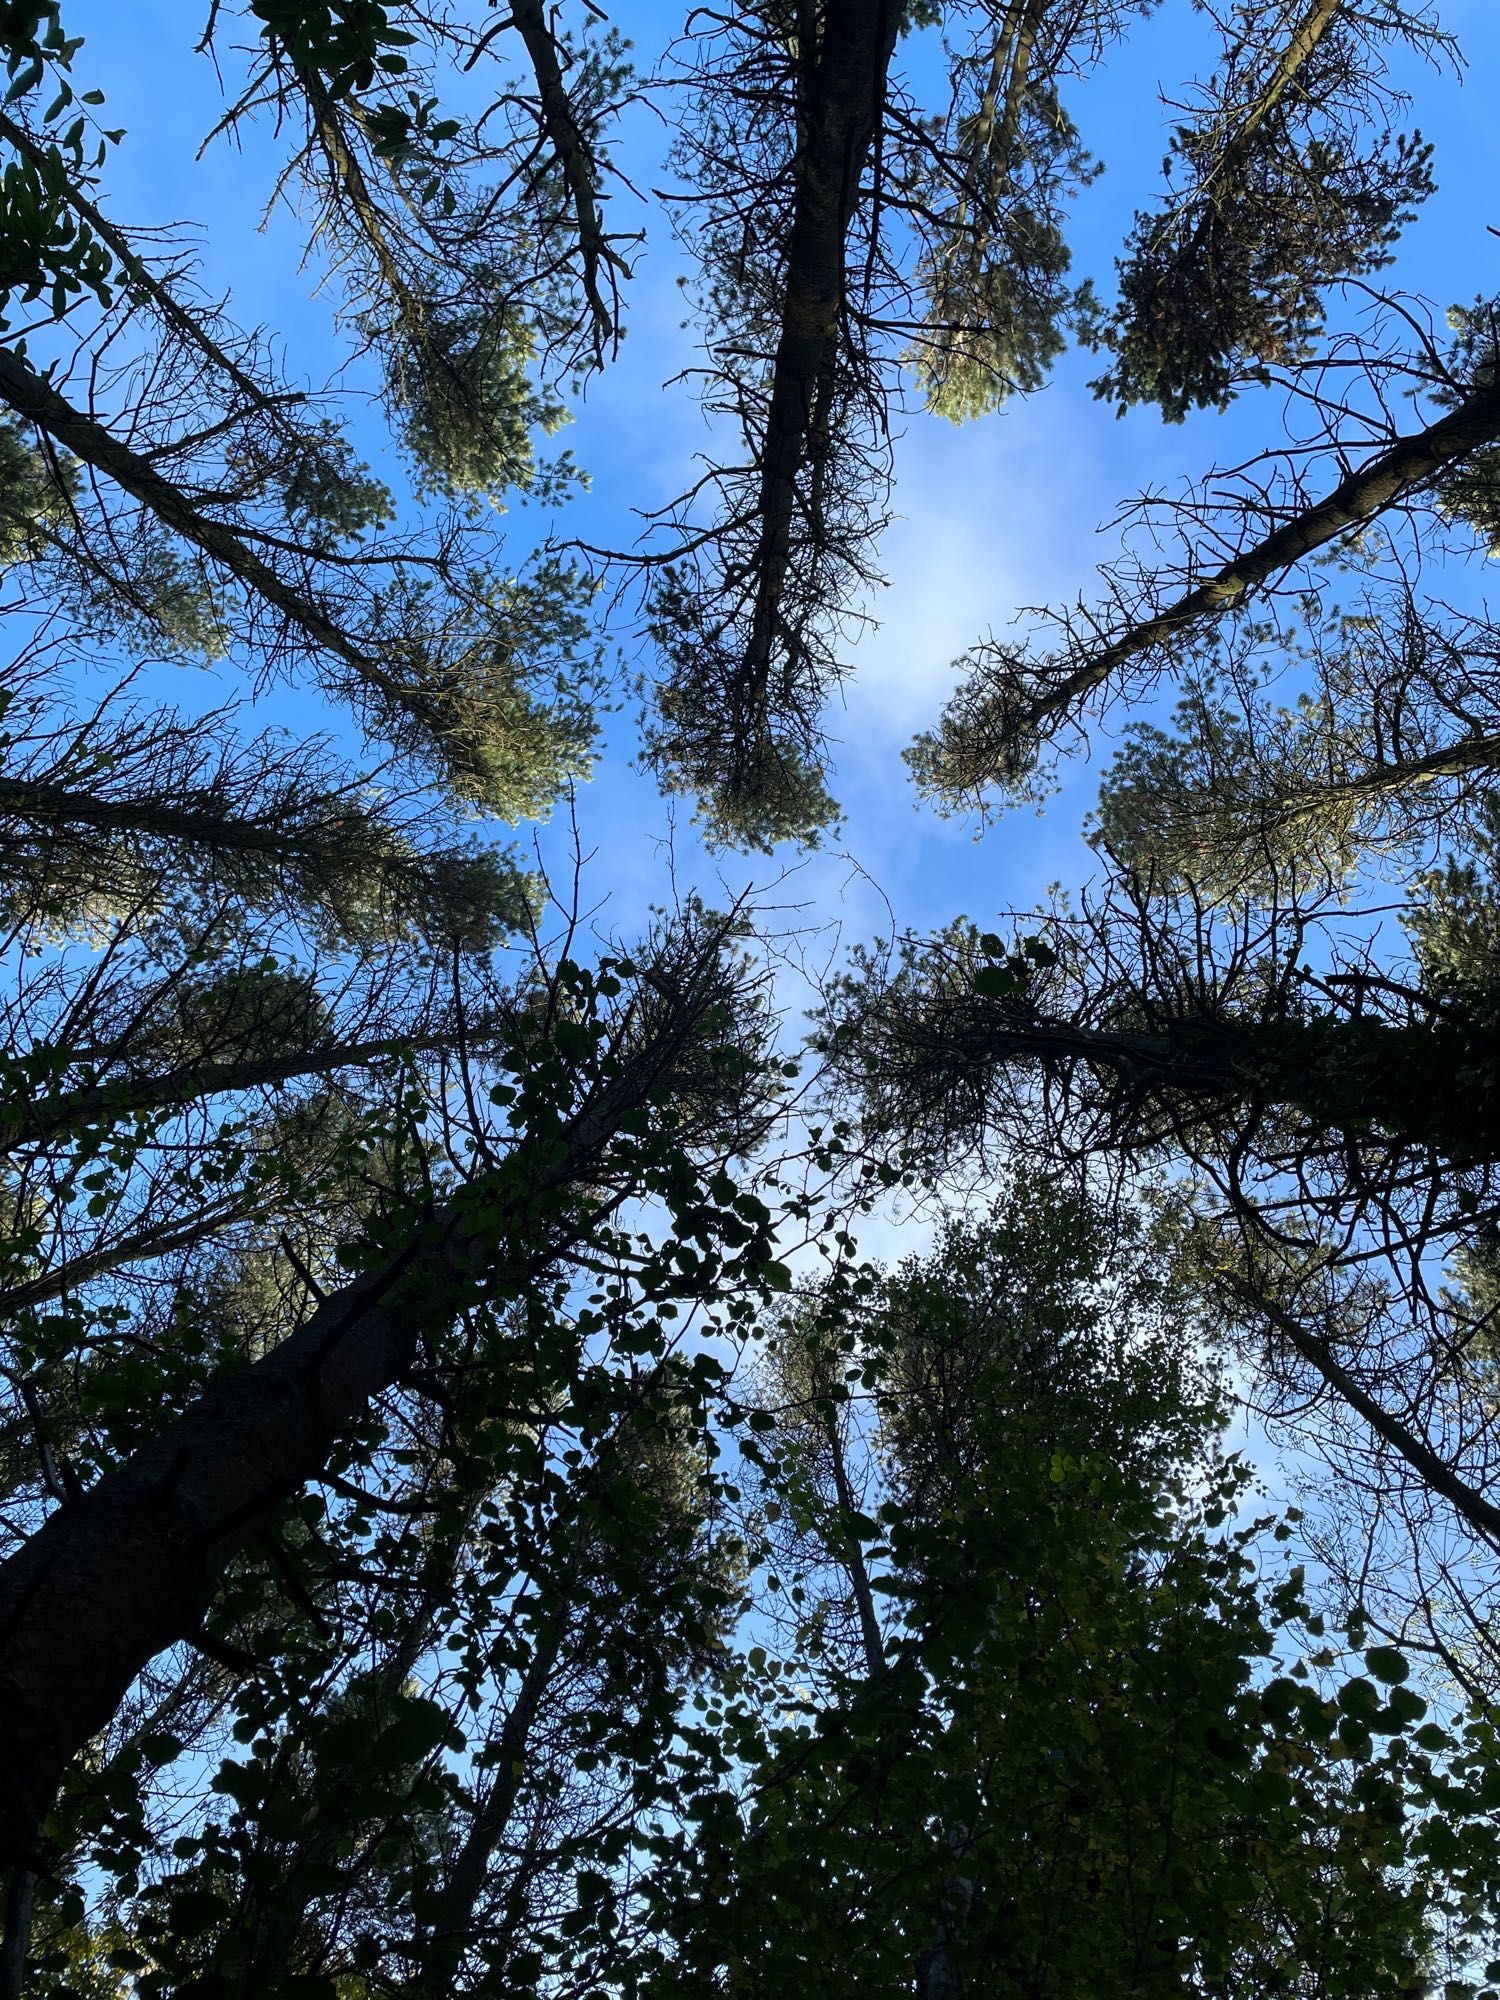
{"points": [[992, 517], [1000, 514], [996, 516]]}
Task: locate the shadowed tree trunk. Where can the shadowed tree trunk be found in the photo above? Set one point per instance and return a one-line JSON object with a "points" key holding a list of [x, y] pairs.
{"points": [[982, 736], [128, 1569], [843, 94]]}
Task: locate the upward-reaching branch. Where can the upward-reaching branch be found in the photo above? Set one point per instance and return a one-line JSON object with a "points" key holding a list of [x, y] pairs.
{"points": [[142, 1549], [600, 265], [994, 726]]}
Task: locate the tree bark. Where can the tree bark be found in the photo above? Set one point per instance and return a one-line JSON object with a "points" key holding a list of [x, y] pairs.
{"points": [[188, 816], [1471, 754], [1300, 44], [1465, 1500], [852, 1555], [1378, 484], [575, 157], [448, 1933], [43, 1118], [1382, 482], [129, 1569], [33, 398], [845, 86]]}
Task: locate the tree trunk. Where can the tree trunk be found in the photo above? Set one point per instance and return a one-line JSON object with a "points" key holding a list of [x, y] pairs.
{"points": [[129, 1569], [1300, 44], [453, 1920], [46, 1118], [845, 85], [576, 159], [967, 756], [1381, 482], [1431, 1085], [33, 398]]}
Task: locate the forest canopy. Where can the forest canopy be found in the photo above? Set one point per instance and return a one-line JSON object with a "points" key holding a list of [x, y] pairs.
{"points": [[629, 1366]]}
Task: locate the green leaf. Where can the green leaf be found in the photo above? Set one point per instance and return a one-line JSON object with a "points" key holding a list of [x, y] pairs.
{"points": [[1359, 1698], [1387, 1665], [997, 982], [1405, 1705], [194, 1911]]}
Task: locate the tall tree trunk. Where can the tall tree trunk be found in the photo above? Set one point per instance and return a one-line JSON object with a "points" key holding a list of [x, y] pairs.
{"points": [[1298, 46], [970, 746], [129, 1569], [1401, 469], [1470, 756], [1435, 1085], [453, 1919], [188, 816], [844, 87], [1435, 1472], [851, 1551], [47, 1118], [600, 261]]}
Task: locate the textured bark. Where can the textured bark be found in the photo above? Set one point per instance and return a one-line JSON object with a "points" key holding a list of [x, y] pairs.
{"points": [[1402, 469], [129, 1568], [843, 86], [453, 1920], [598, 260], [44, 1118], [1383, 481], [39, 403]]}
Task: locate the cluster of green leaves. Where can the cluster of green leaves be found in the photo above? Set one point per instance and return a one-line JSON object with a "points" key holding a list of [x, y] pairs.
{"points": [[1099, 1747], [349, 41], [46, 249], [501, 1604], [566, 1661], [1285, 180]]}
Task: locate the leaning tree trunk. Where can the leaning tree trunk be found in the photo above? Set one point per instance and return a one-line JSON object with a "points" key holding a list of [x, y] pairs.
{"points": [[129, 1568]]}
